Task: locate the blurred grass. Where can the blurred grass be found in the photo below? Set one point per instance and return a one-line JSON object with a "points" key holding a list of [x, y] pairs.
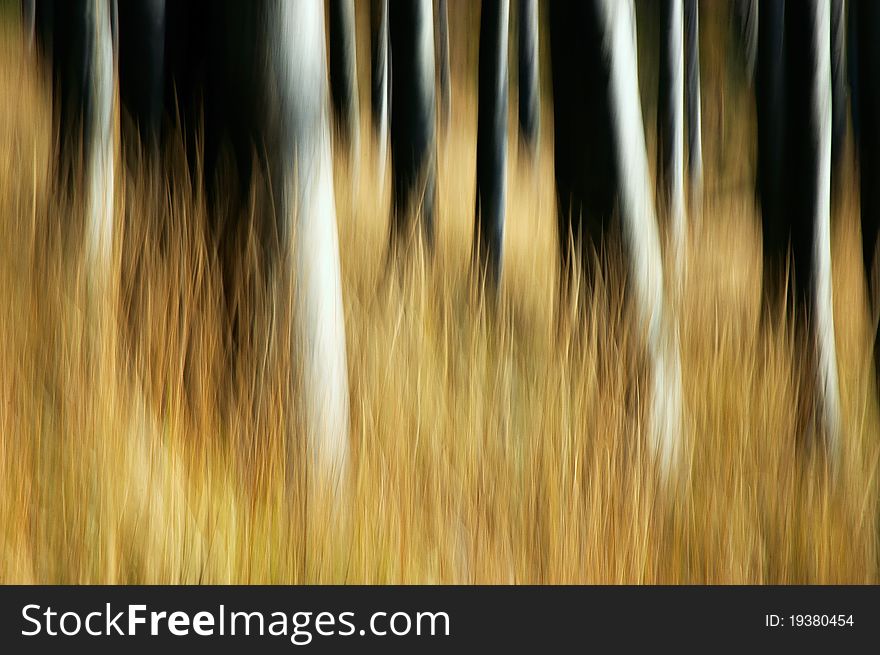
{"points": [[489, 444]]}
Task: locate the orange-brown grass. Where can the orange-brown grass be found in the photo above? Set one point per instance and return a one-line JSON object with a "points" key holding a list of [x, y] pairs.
{"points": [[499, 443]]}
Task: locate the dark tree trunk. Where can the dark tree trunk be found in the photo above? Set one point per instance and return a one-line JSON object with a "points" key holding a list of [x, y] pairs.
{"points": [[492, 136], [142, 66], [343, 71], [413, 116], [528, 74]]}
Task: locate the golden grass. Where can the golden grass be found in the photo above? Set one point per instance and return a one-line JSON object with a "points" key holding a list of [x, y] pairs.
{"points": [[488, 443]]}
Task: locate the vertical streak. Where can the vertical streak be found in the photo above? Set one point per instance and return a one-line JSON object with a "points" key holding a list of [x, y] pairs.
{"points": [[694, 109], [855, 24], [443, 62], [413, 116], [864, 64], [640, 231], [492, 136], [142, 66], [343, 72], [748, 14], [100, 165], [671, 128], [771, 102], [821, 109], [297, 45], [838, 79], [528, 72], [29, 20], [380, 70]]}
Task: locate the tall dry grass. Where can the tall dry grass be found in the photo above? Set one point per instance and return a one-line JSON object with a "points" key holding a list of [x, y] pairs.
{"points": [[490, 443]]}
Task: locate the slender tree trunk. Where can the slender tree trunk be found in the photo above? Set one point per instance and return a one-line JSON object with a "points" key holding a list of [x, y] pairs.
{"points": [[529, 87], [343, 72], [694, 105], [443, 62], [309, 230], [380, 70], [492, 136], [413, 117]]}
